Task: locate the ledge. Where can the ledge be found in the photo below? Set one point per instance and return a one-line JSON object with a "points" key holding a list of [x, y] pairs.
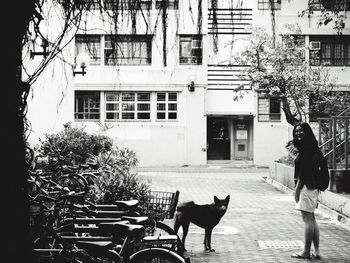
{"points": [[337, 206]]}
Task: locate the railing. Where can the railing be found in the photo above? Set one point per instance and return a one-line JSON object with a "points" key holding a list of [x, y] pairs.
{"points": [[334, 139]]}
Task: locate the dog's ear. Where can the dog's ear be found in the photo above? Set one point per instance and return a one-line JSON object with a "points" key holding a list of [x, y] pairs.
{"points": [[227, 199], [216, 200]]}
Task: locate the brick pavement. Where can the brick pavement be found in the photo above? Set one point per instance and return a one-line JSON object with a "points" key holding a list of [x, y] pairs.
{"points": [[258, 215]]}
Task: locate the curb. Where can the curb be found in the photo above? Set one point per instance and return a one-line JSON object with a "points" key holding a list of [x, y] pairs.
{"points": [[341, 219]]}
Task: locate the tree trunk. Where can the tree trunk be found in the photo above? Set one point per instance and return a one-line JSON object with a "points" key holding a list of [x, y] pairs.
{"points": [[15, 205], [291, 119]]}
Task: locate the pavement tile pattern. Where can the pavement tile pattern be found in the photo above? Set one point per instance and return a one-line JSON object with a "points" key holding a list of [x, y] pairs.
{"points": [[260, 225]]}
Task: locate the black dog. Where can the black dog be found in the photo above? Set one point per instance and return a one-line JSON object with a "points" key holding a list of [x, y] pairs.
{"points": [[205, 216]]}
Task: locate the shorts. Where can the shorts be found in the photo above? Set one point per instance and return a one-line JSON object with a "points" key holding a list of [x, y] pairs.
{"points": [[308, 200]]}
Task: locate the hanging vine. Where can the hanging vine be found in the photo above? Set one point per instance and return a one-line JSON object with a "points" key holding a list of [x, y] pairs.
{"points": [[199, 18], [273, 21], [214, 6], [164, 8]]}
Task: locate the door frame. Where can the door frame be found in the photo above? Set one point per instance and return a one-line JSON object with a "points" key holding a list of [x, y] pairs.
{"points": [[232, 119], [233, 123]]}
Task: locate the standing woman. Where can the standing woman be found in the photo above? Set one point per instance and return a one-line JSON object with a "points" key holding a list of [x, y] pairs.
{"points": [[306, 192]]}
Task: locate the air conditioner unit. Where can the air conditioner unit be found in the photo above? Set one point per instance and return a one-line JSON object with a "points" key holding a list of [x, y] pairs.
{"points": [[315, 45]]}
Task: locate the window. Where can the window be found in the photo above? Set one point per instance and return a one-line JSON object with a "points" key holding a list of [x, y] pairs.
{"points": [[89, 44], [128, 49], [171, 4], [191, 50], [293, 41], [87, 105], [128, 106], [127, 4], [265, 4], [166, 106], [269, 109], [329, 5], [333, 51]]}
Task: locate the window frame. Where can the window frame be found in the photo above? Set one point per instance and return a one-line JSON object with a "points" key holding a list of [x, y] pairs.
{"points": [[124, 4], [265, 5], [317, 5], [121, 106], [84, 43], [172, 4], [196, 42], [331, 45], [129, 44], [265, 113], [166, 102], [83, 97]]}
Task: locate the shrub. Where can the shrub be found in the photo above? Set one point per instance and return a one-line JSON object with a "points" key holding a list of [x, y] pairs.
{"points": [[112, 186], [73, 145], [115, 179], [287, 160]]}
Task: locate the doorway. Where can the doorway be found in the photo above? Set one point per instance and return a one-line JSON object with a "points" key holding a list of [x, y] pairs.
{"points": [[218, 139], [230, 137], [241, 139]]}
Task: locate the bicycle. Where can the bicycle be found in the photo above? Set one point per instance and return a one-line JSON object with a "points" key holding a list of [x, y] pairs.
{"points": [[87, 213], [57, 245], [43, 182]]}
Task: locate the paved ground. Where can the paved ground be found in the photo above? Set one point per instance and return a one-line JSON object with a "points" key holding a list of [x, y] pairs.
{"points": [[260, 225]]}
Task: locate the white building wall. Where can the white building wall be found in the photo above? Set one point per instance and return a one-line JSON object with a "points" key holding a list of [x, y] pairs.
{"points": [[181, 142]]}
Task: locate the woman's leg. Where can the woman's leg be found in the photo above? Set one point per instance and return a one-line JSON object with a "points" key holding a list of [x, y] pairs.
{"points": [[316, 240], [309, 232]]}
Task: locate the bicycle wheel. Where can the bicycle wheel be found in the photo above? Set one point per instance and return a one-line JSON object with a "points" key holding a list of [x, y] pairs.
{"points": [[156, 255], [90, 178], [158, 230], [74, 182], [52, 189]]}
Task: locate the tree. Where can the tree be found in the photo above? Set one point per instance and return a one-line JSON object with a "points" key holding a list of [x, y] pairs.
{"points": [[21, 28], [333, 12], [281, 70]]}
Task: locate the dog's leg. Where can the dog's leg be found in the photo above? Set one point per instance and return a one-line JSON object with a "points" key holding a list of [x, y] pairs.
{"points": [[207, 240], [177, 223], [185, 226]]}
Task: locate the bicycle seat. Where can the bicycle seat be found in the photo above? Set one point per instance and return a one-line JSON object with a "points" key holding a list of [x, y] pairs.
{"points": [[128, 204], [91, 220], [108, 227], [136, 219], [96, 246], [126, 229]]}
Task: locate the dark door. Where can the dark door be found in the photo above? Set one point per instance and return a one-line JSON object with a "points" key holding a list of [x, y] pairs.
{"points": [[218, 139]]}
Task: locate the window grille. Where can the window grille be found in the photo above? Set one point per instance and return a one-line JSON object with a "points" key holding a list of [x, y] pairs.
{"points": [[333, 52], [167, 106], [269, 109], [90, 44], [191, 50], [127, 50], [128, 106], [87, 105], [265, 4]]}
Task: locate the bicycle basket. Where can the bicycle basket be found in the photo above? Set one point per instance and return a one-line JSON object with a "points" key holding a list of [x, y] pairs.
{"points": [[160, 205]]}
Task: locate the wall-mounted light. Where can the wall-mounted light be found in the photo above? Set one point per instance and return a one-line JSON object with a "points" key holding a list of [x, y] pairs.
{"points": [[82, 61], [42, 34], [190, 85], [44, 45]]}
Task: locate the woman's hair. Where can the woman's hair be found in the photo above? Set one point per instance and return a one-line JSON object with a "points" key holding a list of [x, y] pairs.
{"points": [[309, 141]]}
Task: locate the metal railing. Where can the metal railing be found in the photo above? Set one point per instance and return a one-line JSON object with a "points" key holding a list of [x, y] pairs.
{"points": [[334, 139]]}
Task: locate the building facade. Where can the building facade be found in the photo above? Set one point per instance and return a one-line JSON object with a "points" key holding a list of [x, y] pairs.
{"points": [[164, 83]]}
